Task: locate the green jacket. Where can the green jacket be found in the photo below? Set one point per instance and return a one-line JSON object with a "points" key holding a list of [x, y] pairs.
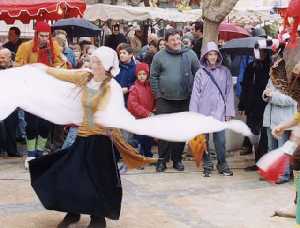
{"points": [[167, 76]]}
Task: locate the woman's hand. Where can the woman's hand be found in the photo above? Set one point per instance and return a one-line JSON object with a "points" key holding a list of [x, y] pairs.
{"points": [[85, 79], [278, 131], [125, 90], [268, 93]]}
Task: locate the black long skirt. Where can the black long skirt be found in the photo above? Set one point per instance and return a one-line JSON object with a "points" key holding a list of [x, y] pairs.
{"points": [[82, 179]]}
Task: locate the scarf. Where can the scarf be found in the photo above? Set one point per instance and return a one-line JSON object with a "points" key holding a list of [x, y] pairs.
{"points": [[45, 55]]}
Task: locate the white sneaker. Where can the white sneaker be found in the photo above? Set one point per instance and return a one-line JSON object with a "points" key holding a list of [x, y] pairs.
{"points": [[289, 212], [27, 162]]}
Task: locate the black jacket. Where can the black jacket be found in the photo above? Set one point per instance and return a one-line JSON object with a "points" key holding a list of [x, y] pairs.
{"points": [[197, 46], [113, 41], [13, 47], [255, 81]]}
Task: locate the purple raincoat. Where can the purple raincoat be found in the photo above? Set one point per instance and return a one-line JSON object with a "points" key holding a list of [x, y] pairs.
{"points": [[206, 98]]}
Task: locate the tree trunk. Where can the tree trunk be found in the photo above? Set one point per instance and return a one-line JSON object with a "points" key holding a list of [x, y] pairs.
{"points": [[210, 31], [213, 13]]}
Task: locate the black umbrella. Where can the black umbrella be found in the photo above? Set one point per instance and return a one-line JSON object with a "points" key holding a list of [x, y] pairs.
{"points": [[77, 27], [242, 46]]}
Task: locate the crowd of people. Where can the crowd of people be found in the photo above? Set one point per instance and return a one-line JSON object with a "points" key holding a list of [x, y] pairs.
{"points": [[169, 74], [166, 75]]}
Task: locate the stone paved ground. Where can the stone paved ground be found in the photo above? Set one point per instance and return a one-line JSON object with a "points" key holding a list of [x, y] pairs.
{"points": [[168, 200]]}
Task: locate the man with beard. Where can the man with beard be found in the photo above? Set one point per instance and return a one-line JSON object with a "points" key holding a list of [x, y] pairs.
{"points": [[8, 127], [42, 49]]}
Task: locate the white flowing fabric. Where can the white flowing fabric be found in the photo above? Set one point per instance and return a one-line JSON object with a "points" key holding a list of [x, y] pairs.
{"points": [[59, 102]]}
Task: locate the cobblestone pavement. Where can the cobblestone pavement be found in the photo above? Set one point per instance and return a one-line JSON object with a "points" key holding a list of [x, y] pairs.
{"points": [[151, 200]]}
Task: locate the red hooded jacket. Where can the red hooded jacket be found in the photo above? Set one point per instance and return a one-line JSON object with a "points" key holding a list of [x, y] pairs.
{"points": [[141, 99]]}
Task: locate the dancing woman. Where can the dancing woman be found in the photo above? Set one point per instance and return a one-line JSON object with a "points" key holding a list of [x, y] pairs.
{"points": [[84, 178]]}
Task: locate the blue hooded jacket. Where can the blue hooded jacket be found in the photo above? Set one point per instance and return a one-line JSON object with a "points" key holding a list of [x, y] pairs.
{"points": [[126, 77]]}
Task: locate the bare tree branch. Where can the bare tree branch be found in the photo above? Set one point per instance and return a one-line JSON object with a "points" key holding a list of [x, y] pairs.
{"points": [[217, 10]]}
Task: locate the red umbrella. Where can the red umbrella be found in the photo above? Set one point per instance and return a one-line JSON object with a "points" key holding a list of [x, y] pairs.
{"points": [[26, 10], [229, 31]]}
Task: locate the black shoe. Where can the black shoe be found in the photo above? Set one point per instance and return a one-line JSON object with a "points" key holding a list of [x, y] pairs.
{"points": [[224, 169], [97, 222], [14, 155], [206, 173], [161, 167], [281, 181], [227, 172], [251, 168], [178, 166], [68, 220]]}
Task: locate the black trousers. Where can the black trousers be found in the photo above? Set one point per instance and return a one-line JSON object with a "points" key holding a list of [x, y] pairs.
{"points": [[56, 137], [36, 126], [8, 131], [165, 148], [255, 123]]}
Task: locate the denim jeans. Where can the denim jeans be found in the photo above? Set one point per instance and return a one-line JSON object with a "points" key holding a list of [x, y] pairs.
{"points": [[274, 143], [219, 141], [70, 139], [130, 139], [145, 143], [21, 132]]}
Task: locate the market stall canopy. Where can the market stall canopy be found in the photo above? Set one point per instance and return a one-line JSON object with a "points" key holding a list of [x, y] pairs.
{"points": [[244, 17], [106, 12], [77, 27], [27, 10]]}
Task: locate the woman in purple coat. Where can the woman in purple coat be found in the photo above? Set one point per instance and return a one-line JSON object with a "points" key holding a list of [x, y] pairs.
{"points": [[213, 96]]}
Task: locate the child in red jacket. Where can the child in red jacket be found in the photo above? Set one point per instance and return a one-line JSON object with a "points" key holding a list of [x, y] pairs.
{"points": [[141, 104]]}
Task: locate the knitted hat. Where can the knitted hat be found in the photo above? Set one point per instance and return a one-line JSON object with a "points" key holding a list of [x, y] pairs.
{"points": [[109, 59], [140, 67], [46, 58], [42, 26]]}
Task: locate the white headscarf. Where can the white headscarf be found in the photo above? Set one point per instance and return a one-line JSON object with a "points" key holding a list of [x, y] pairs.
{"points": [[109, 59]]}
